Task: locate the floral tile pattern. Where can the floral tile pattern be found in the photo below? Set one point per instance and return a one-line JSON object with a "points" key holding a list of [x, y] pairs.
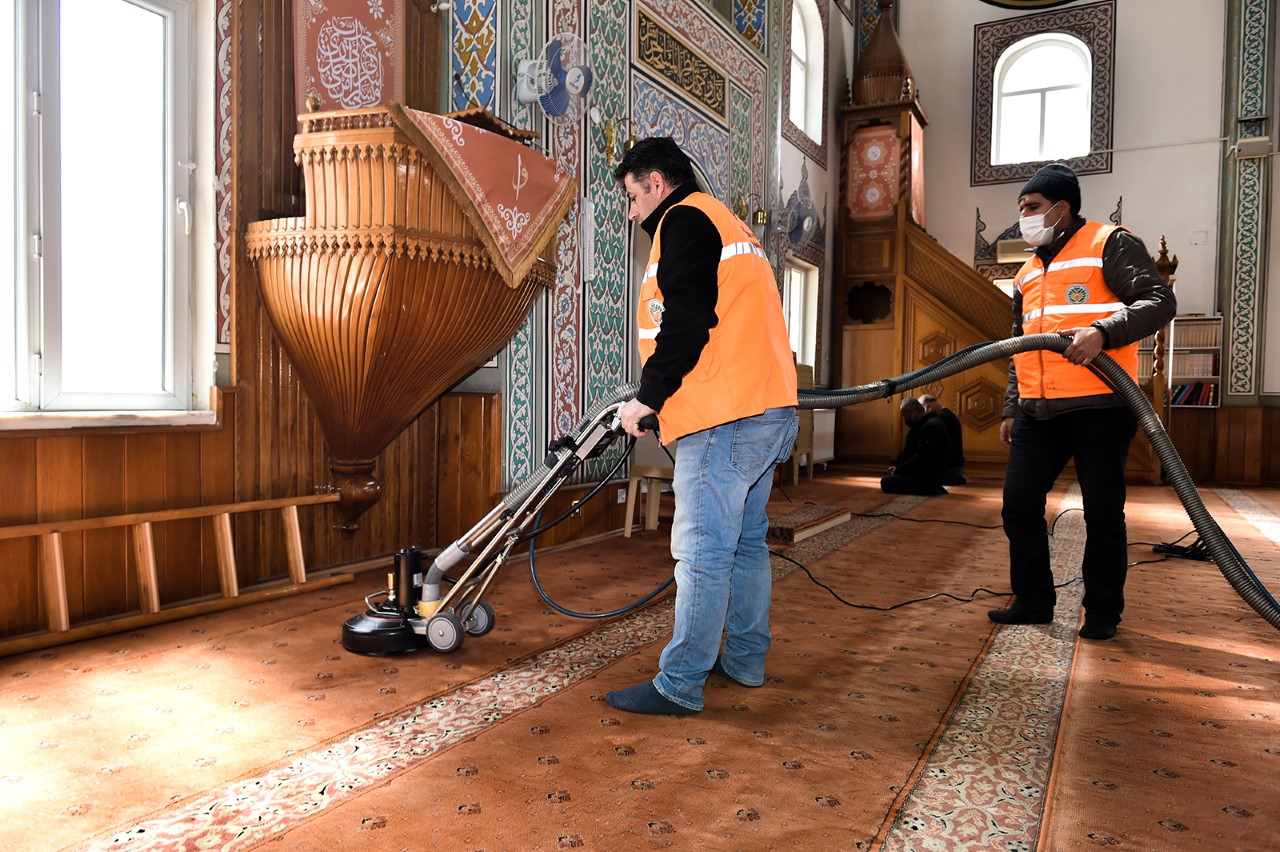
{"points": [[983, 786]]}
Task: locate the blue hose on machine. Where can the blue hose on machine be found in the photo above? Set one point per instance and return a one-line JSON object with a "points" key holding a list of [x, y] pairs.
{"points": [[413, 614]]}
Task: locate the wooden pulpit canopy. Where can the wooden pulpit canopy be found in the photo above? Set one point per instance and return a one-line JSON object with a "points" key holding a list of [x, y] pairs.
{"points": [[419, 255]]}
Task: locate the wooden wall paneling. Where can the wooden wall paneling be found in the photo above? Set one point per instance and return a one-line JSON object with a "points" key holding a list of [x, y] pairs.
{"points": [[422, 56], [1270, 450], [469, 462], [180, 574], [426, 494], [111, 586], [59, 496], [451, 477], [1192, 431], [1239, 445], [20, 605], [1252, 423], [865, 431], [19, 559]]}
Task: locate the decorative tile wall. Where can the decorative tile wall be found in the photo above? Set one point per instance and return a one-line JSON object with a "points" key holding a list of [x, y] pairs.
{"points": [[749, 19], [475, 53], [1247, 181], [575, 349]]}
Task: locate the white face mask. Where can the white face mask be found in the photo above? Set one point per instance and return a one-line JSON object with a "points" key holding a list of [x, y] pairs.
{"points": [[1034, 230]]}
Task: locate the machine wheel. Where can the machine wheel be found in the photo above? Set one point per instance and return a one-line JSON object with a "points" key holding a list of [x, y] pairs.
{"points": [[481, 619], [444, 632]]}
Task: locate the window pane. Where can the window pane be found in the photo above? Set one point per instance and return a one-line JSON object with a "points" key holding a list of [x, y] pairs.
{"points": [[113, 197], [1066, 124], [795, 104], [8, 206], [1018, 136], [799, 48], [1044, 67]]}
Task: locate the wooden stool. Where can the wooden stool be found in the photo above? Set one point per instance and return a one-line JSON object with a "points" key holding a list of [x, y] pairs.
{"points": [[653, 478]]}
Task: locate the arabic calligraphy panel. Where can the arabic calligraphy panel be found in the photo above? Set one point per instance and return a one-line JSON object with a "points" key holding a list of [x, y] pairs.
{"points": [[664, 53]]}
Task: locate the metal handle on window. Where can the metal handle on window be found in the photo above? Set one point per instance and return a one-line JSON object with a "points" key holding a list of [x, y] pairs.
{"points": [[185, 209]]}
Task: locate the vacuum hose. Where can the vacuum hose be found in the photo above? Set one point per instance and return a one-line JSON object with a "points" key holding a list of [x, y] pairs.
{"points": [[1224, 553]]}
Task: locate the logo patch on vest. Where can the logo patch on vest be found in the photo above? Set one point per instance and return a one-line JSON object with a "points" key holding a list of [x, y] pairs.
{"points": [[1077, 294], [655, 311]]}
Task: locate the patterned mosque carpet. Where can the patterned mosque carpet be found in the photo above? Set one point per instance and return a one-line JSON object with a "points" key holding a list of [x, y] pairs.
{"points": [[894, 716]]}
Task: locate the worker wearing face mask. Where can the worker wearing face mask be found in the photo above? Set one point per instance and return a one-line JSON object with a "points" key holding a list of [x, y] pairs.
{"points": [[1096, 284]]}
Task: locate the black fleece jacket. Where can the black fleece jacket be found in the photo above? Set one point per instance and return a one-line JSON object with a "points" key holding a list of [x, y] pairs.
{"points": [[688, 275]]}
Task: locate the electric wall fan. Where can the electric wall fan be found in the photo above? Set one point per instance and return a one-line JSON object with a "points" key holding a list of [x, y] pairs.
{"points": [[558, 80]]}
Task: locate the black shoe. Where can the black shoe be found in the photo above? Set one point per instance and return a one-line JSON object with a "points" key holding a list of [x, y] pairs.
{"points": [[1018, 614], [1097, 630]]}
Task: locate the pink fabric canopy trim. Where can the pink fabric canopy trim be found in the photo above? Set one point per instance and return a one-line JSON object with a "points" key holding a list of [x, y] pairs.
{"points": [[512, 194]]}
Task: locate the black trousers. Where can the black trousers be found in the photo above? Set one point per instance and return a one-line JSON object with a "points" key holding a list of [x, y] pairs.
{"points": [[1098, 440]]}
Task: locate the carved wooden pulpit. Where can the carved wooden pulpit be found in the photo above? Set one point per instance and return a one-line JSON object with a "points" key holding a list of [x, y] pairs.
{"points": [[419, 255]]}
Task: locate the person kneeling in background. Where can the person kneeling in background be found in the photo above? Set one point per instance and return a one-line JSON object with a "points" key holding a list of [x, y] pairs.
{"points": [[955, 462], [923, 463]]}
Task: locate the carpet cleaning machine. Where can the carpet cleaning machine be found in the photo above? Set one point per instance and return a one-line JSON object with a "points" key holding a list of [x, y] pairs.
{"points": [[412, 614]]}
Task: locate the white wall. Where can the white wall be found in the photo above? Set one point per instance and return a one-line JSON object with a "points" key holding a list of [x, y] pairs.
{"points": [[824, 178], [1168, 90]]}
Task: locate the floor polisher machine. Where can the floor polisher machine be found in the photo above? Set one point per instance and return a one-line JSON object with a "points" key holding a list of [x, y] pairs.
{"points": [[412, 613]]}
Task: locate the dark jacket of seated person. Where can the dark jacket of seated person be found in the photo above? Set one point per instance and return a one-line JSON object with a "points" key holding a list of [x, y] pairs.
{"points": [[922, 465]]}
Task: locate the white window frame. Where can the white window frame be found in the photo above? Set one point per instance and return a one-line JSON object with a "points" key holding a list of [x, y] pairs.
{"points": [[807, 20], [31, 394], [800, 287], [1011, 56]]}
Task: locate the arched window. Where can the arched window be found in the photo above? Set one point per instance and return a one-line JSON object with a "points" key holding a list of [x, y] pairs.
{"points": [[804, 86], [1041, 103], [799, 71], [1089, 32]]}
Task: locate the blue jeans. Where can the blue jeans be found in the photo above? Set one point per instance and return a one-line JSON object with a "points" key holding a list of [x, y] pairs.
{"points": [[723, 578]]}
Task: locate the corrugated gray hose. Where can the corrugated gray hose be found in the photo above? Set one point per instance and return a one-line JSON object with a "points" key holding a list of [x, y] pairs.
{"points": [[1224, 553]]}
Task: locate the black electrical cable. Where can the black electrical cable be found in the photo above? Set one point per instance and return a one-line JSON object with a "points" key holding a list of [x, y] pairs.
{"points": [[538, 530], [973, 596], [537, 585], [926, 520], [578, 504]]}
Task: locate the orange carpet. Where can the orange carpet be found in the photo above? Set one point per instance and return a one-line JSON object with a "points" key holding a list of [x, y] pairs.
{"points": [[881, 725]]}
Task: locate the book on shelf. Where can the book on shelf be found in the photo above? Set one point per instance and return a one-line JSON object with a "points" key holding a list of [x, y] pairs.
{"points": [[1197, 332], [1195, 393]]}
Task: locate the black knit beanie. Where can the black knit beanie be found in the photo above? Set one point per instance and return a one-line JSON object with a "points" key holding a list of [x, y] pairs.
{"points": [[1055, 182]]}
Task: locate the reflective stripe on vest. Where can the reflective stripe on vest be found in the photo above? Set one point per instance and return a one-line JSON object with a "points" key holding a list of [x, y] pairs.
{"points": [[746, 366], [1070, 293]]}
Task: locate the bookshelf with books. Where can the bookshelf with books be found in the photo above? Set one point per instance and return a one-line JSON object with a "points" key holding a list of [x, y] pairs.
{"points": [[1195, 356]]}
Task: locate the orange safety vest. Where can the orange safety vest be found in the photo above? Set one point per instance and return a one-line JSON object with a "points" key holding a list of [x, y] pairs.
{"points": [[1071, 293], [746, 366]]}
